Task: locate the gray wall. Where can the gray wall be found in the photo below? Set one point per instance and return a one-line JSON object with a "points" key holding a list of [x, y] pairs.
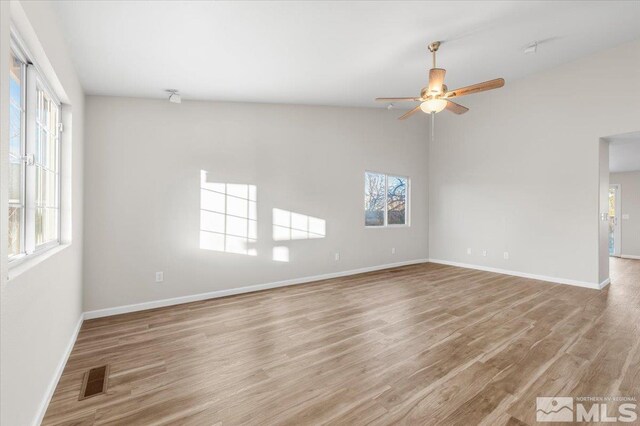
{"points": [[630, 205], [520, 171], [142, 207], [42, 299]]}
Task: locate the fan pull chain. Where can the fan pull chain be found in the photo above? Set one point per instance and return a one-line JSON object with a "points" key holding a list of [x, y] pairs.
{"points": [[433, 125]]}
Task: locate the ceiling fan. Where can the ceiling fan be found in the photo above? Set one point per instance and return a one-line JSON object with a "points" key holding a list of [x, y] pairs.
{"points": [[436, 97]]}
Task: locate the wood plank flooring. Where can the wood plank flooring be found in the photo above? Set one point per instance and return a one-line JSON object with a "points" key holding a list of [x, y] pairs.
{"points": [[423, 344]]}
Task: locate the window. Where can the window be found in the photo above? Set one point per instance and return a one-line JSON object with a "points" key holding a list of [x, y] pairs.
{"points": [[386, 200], [34, 160], [46, 164]]}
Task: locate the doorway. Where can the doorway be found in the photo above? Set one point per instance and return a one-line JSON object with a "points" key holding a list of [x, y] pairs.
{"points": [[619, 203], [614, 220]]}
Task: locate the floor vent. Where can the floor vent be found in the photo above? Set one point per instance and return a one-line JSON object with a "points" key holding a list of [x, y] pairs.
{"points": [[94, 382]]}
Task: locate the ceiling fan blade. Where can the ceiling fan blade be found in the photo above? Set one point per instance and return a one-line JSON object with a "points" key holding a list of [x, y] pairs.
{"points": [[410, 113], [436, 79], [456, 108], [475, 88], [397, 99]]}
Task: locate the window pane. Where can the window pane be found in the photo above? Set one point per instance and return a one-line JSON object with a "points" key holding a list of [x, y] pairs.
{"points": [[15, 81], [46, 225], [15, 130], [15, 228], [46, 147], [46, 167], [16, 149], [46, 188], [374, 193], [396, 200], [15, 180]]}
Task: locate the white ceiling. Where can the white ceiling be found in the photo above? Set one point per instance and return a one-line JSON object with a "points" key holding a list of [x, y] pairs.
{"points": [[624, 152], [327, 53]]}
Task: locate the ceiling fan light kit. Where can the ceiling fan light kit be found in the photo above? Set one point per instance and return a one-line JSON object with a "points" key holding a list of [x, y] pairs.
{"points": [[433, 105], [436, 96]]}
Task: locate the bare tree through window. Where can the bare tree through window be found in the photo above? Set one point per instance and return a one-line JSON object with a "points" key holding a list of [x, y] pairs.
{"points": [[385, 199], [374, 199], [396, 200]]}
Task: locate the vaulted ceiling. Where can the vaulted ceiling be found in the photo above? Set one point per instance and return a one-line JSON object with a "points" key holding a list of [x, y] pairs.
{"points": [[328, 53]]}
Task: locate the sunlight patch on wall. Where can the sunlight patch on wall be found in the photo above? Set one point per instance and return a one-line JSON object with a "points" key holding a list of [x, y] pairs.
{"points": [[281, 254], [228, 217], [294, 226]]}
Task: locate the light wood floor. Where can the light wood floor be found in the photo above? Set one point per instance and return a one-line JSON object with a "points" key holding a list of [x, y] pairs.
{"points": [[424, 344]]}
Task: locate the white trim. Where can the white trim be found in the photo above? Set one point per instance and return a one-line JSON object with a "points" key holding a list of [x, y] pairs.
{"points": [[24, 263], [604, 283], [18, 41], [58, 373], [231, 291], [630, 256], [596, 286]]}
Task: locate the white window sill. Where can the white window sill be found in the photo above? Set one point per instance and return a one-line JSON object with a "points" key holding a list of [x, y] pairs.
{"points": [[386, 226], [20, 266]]}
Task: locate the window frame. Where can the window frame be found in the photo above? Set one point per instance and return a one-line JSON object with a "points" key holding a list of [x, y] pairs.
{"points": [[386, 225], [33, 82], [18, 53]]}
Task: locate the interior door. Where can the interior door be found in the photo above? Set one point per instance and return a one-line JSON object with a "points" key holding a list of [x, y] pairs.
{"points": [[614, 220]]}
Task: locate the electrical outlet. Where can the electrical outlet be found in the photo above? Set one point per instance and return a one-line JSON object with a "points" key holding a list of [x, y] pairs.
{"points": [[484, 253], [337, 256], [159, 277], [468, 251], [506, 255], [393, 250]]}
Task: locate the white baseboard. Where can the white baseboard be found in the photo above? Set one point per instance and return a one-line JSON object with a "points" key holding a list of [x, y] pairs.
{"points": [[629, 256], [604, 283], [57, 374], [229, 292], [596, 286]]}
